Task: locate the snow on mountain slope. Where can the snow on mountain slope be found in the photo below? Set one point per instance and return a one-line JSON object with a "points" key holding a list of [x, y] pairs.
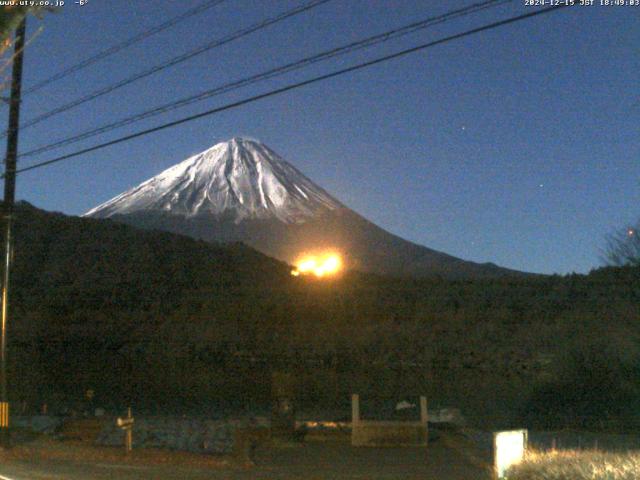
{"points": [[238, 179], [241, 191]]}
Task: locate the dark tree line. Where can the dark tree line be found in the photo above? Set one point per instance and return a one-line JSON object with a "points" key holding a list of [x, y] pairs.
{"points": [[163, 321]]}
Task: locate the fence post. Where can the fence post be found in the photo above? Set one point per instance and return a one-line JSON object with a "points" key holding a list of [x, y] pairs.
{"points": [[355, 409], [423, 410], [129, 445]]}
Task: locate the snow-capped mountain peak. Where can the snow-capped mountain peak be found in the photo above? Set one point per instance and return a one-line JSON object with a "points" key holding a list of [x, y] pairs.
{"points": [[238, 179]]}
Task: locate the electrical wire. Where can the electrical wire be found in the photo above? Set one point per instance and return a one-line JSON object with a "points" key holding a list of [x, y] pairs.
{"points": [[122, 45], [293, 86], [272, 73], [173, 61]]}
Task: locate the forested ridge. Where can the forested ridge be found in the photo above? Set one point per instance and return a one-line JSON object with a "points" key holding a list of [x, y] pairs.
{"points": [[166, 321]]}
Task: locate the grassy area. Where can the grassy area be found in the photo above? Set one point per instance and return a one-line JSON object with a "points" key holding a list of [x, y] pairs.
{"points": [[47, 449], [578, 465]]}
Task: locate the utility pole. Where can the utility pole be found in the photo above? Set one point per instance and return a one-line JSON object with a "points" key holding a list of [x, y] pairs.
{"points": [[9, 199]]}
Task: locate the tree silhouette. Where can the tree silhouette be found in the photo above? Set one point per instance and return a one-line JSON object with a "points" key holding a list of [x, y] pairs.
{"points": [[623, 246]]}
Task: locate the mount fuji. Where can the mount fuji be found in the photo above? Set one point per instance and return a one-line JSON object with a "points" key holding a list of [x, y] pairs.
{"points": [[241, 190]]}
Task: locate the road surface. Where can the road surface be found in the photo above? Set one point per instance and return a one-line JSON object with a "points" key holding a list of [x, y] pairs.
{"points": [[316, 460]]}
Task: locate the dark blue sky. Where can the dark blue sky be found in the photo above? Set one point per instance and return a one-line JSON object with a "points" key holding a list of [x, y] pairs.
{"points": [[518, 146]]}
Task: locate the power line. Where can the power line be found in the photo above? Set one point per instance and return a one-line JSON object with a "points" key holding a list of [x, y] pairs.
{"points": [[174, 61], [293, 86], [124, 44], [275, 72]]}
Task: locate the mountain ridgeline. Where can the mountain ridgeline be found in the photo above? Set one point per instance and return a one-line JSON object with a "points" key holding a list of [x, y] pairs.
{"points": [[242, 191]]}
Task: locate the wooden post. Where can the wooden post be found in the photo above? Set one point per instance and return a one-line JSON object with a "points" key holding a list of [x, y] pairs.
{"points": [[424, 418], [423, 410], [129, 440], [127, 425], [129, 437], [355, 409]]}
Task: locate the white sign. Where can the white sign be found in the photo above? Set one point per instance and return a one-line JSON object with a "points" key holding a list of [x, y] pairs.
{"points": [[125, 422], [509, 448]]}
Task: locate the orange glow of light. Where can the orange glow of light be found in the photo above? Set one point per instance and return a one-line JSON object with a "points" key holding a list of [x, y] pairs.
{"points": [[318, 265]]}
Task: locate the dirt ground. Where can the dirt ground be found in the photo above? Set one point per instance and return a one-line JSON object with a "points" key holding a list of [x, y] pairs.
{"points": [[446, 459]]}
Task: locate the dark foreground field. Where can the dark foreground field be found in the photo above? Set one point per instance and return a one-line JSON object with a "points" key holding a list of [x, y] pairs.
{"points": [[443, 460]]}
